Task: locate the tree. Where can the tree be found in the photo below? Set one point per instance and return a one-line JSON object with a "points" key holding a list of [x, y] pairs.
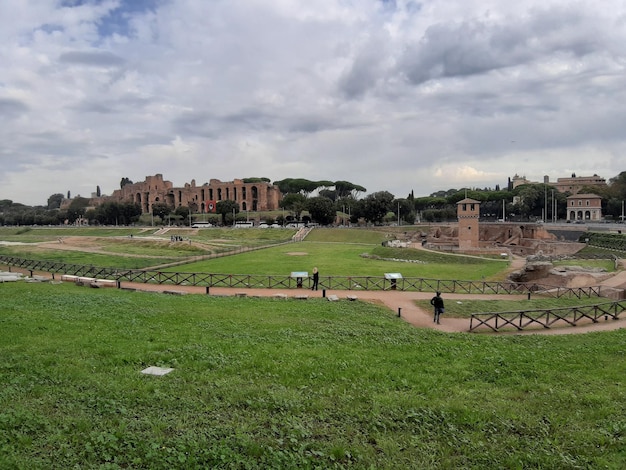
{"points": [[377, 205], [328, 193], [77, 208], [182, 211], [226, 207], [295, 203], [54, 201], [161, 210], [124, 182], [115, 213], [98, 193], [130, 213], [322, 210], [406, 210], [255, 179], [300, 185], [345, 189]]}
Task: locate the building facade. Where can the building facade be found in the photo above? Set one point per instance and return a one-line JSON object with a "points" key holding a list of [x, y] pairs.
{"points": [[570, 185], [574, 184], [250, 196], [584, 207]]}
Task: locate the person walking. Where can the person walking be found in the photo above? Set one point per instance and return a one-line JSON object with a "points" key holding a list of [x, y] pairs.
{"points": [[316, 279], [437, 303]]}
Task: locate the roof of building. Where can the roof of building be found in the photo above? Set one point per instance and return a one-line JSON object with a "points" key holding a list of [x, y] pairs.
{"points": [[584, 196]]}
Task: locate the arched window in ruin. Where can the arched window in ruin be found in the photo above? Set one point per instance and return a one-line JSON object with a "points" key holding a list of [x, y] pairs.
{"points": [[219, 194], [255, 193]]}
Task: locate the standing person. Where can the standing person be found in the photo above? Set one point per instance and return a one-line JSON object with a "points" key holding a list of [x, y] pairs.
{"points": [[437, 303], [316, 279]]}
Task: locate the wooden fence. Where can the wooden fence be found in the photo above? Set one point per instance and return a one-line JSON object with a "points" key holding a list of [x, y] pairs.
{"points": [[351, 283], [546, 318]]}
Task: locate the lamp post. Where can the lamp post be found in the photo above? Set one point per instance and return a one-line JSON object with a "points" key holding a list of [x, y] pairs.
{"points": [[399, 214], [545, 202]]}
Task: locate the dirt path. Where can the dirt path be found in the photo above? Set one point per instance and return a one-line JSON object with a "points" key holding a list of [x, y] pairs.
{"points": [[404, 302]]}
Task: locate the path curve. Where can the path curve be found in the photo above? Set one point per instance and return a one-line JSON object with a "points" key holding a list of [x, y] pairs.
{"points": [[394, 300]]}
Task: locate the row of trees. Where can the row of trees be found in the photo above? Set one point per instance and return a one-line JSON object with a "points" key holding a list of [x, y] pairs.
{"points": [[526, 202]]}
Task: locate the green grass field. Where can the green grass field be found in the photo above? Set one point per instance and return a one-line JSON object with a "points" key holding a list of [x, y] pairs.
{"points": [[268, 383], [345, 259], [336, 252]]}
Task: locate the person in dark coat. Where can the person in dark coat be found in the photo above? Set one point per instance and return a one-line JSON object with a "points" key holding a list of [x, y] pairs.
{"points": [[316, 279], [437, 303]]}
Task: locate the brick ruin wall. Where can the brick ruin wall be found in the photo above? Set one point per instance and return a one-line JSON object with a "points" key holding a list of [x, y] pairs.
{"points": [[520, 239], [257, 196]]}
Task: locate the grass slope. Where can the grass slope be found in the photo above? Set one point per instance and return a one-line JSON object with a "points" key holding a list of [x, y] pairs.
{"points": [[267, 383]]}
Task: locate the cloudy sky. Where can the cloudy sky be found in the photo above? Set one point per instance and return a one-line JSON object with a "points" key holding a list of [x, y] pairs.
{"points": [[391, 95]]}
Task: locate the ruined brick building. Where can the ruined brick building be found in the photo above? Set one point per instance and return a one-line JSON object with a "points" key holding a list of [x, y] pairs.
{"points": [[251, 196]]}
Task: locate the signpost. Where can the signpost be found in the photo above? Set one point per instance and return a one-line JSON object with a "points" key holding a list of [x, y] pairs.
{"points": [[299, 276], [393, 278]]}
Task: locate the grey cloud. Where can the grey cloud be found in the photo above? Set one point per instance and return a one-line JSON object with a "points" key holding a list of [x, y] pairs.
{"points": [[120, 105], [11, 107], [206, 124], [362, 76], [92, 59], [477, 46]]}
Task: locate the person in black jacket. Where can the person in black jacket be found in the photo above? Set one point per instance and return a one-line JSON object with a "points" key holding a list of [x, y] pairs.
{"points": [[316, 279], [437, 303]]}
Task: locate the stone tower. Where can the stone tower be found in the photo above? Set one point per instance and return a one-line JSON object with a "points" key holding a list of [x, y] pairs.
{"points": [[468, 213]]}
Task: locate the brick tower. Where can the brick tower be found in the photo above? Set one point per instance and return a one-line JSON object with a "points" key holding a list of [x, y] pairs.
{"points": [[468, 213]]}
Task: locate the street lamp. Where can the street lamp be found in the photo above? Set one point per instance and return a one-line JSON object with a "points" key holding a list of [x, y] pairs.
{"points": [[398, 213]]}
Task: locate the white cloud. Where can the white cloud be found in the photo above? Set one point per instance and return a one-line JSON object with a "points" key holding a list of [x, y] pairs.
{"points": [[394, 96]]}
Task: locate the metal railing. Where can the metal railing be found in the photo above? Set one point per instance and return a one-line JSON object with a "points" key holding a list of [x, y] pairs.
{"points": [[546, 318], [351, 283]]}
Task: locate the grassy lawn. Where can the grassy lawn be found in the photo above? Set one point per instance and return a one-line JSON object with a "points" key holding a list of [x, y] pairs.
{"points": [[605, 264], [41, 234], [266, 383], [345, 259]]}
